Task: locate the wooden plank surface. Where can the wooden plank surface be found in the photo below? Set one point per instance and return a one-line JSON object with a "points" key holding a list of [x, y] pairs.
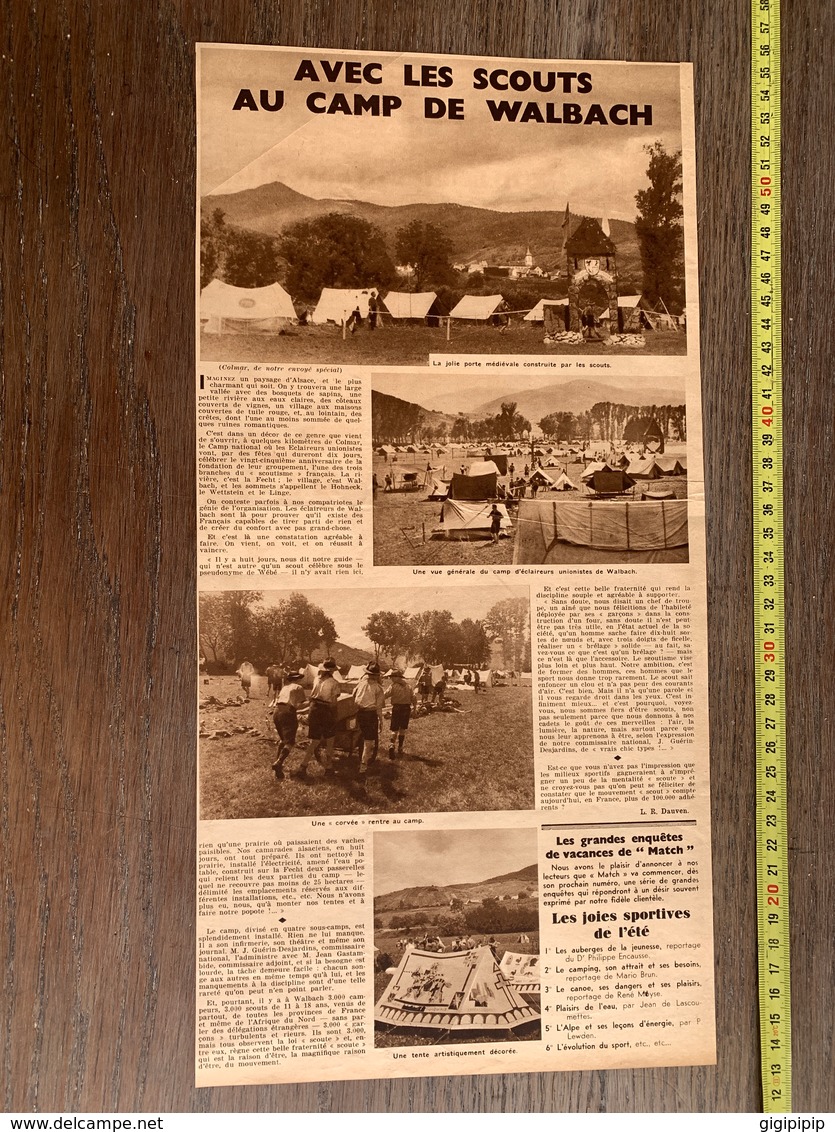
{"points": [[97, 686]]}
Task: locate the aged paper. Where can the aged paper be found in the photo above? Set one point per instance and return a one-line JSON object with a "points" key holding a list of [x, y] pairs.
{"points": [[453, 744]]}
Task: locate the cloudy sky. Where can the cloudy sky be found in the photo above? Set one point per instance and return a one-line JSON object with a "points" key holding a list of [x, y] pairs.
{"points": [[405, 859], [407, 159], [350, 608]]}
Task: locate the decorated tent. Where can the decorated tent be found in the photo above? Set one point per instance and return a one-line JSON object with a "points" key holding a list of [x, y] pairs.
{"points": [[235, 310], [480, 307], [408, 304], [337, 305], [538, 312], [458, 990], [460, 519], [521, 971]]}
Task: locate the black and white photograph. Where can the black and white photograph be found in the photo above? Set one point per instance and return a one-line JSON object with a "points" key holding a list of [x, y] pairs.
{"points": [[378, 210], [529, 470], [346, 701], [456, 937]]}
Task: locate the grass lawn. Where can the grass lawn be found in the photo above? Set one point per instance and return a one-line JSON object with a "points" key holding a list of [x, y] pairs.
{"points": [[412, 345], [482, 760], [387, 1037], [404, 520]]}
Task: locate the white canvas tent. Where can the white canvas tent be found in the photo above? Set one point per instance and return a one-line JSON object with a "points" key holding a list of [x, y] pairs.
{"points": [[485, 675], [439, 490], [413, 672], [563, 483], [355, 672], [648, 469], [461, 517], [596, 466], [538, 312], [458, 990], [483, 468], [479, 307], [671, 466], [337, 305], [540, 474], [233, 310], [407, 304]]}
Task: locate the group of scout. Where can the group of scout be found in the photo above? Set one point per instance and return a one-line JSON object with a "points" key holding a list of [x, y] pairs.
{"points": [[369, 697]]}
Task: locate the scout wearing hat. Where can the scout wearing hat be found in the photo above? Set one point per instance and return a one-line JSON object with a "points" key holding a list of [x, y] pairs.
{"points": [[370, 699], [321, 724], [286, 717], [402, 698]]}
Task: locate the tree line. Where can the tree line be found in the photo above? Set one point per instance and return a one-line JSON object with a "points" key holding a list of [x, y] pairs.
{"points": [[607, 420], [236, 626], [341, 250]]}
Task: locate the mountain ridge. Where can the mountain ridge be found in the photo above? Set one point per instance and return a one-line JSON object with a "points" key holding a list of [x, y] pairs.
{"points": [[476, 233]]}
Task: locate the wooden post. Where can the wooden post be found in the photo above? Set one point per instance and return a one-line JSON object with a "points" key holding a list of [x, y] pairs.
{"points": [[448, 324], [343, 328]]}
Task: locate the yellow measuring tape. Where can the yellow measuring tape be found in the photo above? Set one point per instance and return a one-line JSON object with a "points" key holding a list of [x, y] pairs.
{"points": [[769, 608]]}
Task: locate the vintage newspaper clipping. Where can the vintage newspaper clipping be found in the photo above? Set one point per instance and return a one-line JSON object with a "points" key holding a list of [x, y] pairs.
{"points": [[453, 762]]}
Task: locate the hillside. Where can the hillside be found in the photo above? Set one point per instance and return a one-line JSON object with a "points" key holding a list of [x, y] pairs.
{"points": [[476, 233], [343, 655], [432, 896], [578, 397], [394, 419]]}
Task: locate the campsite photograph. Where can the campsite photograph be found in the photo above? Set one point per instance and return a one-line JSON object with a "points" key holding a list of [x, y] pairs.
{"points": [[456, 937], [528, 471], [346, 701], [343, 237]]}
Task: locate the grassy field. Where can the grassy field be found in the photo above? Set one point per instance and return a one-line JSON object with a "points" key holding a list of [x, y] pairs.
{"points": [[404, 520], [387, 1037], [481, 760], [412, 345]]}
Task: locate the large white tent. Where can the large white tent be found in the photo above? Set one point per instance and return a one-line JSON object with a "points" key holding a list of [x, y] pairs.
{"points": [[483, 468], [337, 305], [479, 307], [408, 304], [461, 518], [229, 310], [538, 312]]}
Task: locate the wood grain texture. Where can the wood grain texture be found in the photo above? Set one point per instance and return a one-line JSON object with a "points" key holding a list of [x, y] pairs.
{"points": [[97, 728]]}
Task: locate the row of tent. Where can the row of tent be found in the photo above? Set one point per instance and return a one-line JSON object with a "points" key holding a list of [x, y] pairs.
{"points": [[225, 308], [652, 467]]}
